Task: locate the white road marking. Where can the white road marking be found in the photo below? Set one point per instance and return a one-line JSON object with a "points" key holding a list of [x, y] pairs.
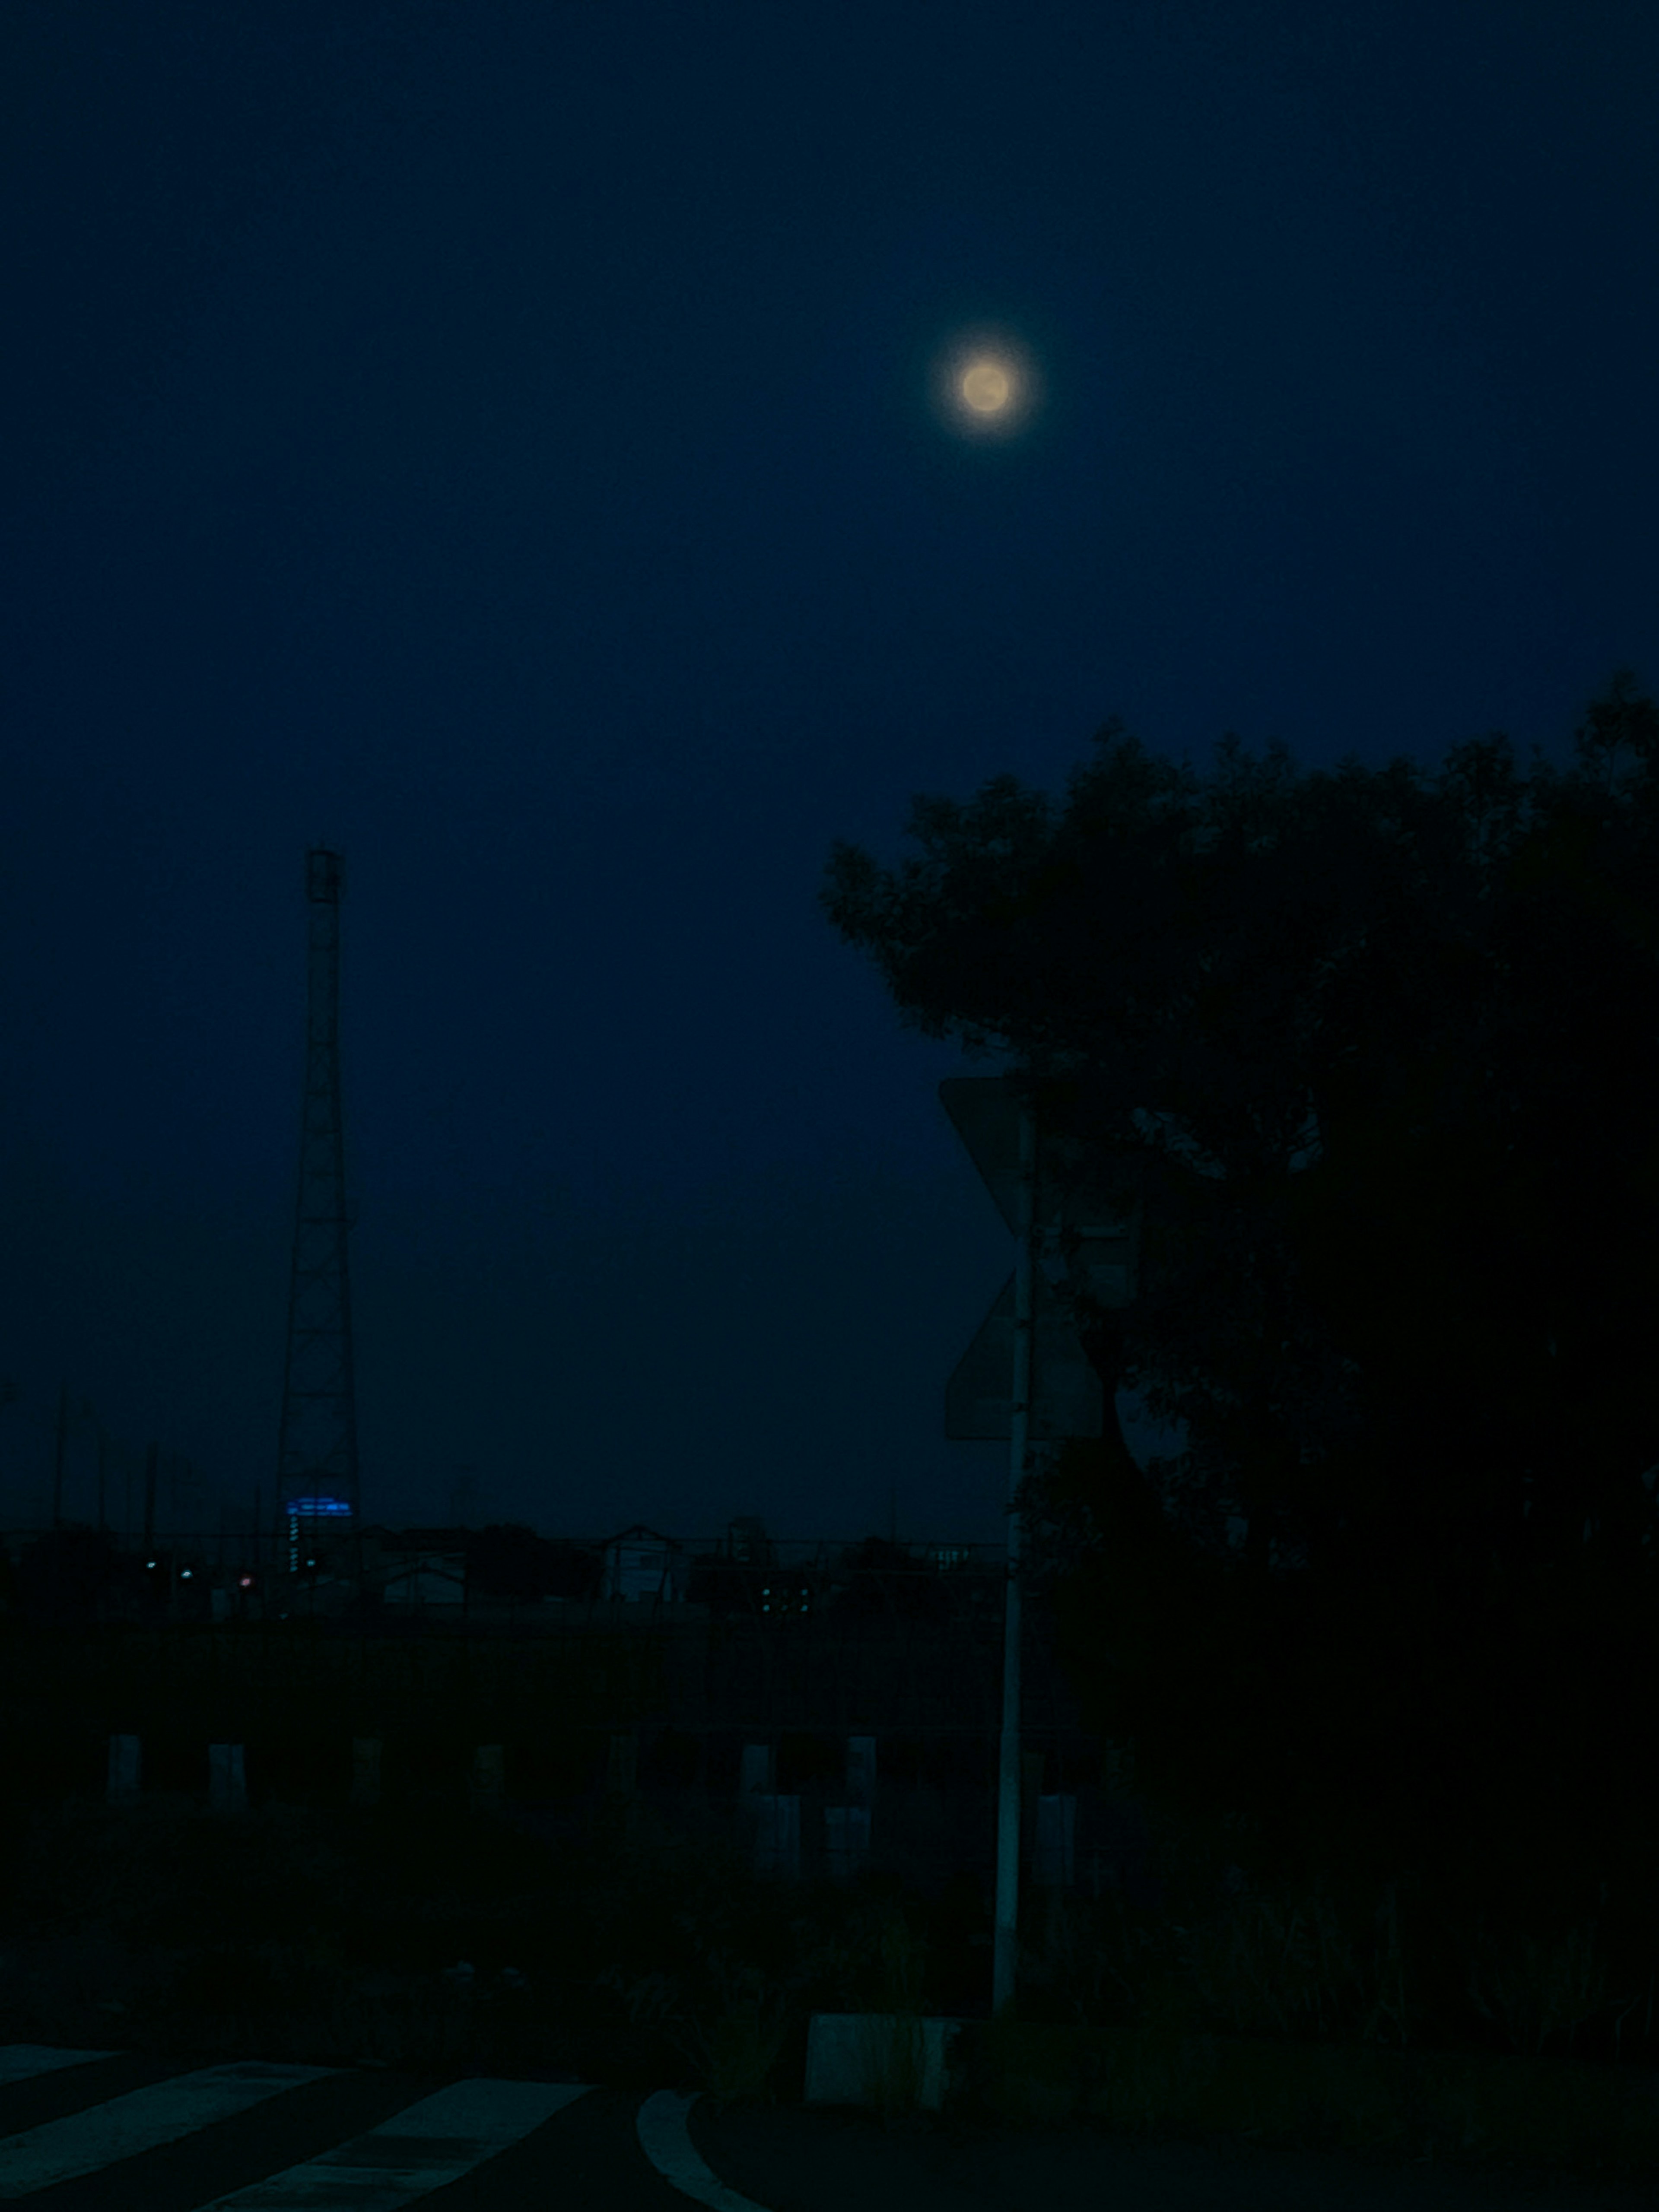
{"points": [[123, 2126], [21, 2062], [420, 2148], [664, 2138]]}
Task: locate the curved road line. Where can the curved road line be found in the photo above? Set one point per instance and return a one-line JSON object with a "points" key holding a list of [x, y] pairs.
{"points": [[666, 2142]]}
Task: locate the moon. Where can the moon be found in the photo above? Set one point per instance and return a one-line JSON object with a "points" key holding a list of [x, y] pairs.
{"points": [[986, 387], [985, 384]]}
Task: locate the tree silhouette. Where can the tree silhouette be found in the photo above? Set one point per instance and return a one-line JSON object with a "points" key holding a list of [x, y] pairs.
{"points": [[1372, 1054]]}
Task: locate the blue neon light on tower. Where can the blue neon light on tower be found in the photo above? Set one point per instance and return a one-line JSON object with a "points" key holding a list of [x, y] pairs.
{"points": [[317, 1449]]}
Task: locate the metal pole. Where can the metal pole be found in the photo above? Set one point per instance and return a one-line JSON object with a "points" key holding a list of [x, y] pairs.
{"points": [[1006, 1940]]}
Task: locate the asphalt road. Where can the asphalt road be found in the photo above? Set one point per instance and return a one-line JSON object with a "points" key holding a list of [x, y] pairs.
{"points": [[120, 2132]]}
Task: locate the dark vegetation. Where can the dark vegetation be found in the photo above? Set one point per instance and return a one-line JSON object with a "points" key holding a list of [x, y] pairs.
{"points": [[618, 1948], [1368, 1061]]}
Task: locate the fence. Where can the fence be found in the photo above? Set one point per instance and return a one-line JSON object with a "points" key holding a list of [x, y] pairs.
{"points": [[766, 1820], [763, 1722]]}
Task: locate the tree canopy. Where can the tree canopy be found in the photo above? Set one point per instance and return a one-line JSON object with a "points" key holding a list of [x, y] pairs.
{"points": [[1371, 1055]]}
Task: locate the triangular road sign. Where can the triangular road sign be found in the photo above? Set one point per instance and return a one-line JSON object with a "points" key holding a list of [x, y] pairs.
{"points": [[985, 1112], [1066, 1399], [978, 1396]]}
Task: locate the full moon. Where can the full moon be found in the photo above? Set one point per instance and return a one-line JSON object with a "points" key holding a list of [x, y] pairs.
{"points": [[986, 387], [986, 384]]}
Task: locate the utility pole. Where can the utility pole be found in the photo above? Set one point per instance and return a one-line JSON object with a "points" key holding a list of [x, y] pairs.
{"points": [[1054, 1392], [1006, 1954], [317, 1492]]}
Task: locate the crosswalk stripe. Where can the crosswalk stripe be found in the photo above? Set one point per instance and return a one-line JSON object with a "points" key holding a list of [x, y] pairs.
{"points": [[123, 2126], [420, 2148], [21, 2062]]}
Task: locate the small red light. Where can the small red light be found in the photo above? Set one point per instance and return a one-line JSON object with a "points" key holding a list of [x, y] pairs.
{"points": [[247, 1582]]}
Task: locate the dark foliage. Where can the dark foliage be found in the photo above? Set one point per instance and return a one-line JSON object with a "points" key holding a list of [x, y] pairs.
{"points": [[1370, 1058]]}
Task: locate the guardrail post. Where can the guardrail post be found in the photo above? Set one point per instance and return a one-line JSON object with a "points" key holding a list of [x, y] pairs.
{"points": [[365, 1770], [759, 1773], [488, 1781], [1055, 1861], [226, 1785], [126, 1761], [777, 1836], [846, 1827], [861, 1770], [845, 1840]]}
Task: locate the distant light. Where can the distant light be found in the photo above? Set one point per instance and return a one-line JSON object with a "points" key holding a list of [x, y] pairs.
{"points": [[149, 1563], [184, 1574], [247, 1582]]}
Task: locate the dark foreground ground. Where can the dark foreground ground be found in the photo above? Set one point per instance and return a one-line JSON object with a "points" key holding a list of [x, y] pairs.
{"points": [[812, 2159]]}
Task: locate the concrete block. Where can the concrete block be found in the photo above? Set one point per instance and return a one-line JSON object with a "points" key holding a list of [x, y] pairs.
{"points": [[849, 2054]]}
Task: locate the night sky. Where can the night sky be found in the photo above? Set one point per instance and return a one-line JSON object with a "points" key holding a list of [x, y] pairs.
{"points": [[504, 441]]}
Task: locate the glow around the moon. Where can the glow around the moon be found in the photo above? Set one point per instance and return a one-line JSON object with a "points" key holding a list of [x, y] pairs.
{"points": [[985, 384]]}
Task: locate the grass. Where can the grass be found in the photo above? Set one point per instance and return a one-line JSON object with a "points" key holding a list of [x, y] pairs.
{"points": [[628, 1953]]}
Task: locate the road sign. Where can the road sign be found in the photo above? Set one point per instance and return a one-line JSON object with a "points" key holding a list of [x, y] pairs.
{"points": [[978, 1398], [1067, 1394]]}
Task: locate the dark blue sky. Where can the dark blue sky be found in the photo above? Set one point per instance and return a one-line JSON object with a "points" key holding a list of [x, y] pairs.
{"points": [[501, 440]]}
